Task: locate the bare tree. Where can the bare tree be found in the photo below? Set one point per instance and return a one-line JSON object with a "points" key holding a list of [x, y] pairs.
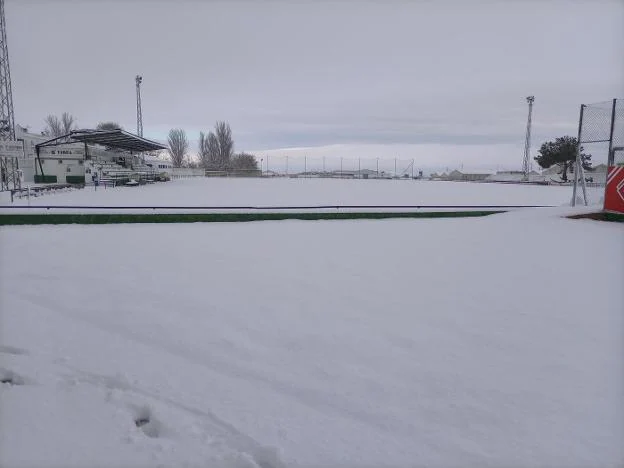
{"points": [[178, 146], [217, 148], [244, 162], [56, 127], [108, 125], [226, 144], [203, 150], [214, 153]]}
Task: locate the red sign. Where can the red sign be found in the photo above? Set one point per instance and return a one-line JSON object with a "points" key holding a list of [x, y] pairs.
{"points": [[614, 191]]}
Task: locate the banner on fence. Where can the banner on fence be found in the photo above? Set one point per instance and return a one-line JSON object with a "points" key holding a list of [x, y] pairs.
{"points": [[614, 190], [11, 149]]}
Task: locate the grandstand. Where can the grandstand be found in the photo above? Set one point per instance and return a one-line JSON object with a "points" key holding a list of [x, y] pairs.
{"points": [[114, 157]]}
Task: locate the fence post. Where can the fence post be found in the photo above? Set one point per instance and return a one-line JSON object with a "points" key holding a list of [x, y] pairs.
{"points": [[611, 155], [578, 152]]}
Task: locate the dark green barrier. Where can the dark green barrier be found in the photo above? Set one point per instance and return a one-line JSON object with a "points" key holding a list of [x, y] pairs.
{"points": [[46, 179], [614, 217], [600, 216], [75, 179], [123, 218]]}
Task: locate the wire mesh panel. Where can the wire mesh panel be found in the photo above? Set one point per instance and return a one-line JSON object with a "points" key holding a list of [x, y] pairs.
{"points": [[617, 141], [339, 167], [601, 137]]}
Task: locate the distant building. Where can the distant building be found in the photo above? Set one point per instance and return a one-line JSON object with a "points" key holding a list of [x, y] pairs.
{"points": [[515, 176], [468, 176]]}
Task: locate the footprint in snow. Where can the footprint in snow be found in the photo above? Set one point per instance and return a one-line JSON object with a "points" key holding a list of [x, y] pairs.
{"points": [[12, 350], [9, 377], [144, 419]]}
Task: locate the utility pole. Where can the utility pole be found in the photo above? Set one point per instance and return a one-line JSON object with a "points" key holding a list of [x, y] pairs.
{"points": [[526, 162], [139, 112], [9, 164]]}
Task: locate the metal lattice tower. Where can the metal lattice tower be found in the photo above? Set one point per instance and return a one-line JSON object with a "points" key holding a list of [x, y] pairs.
{"points": [[526, 162], [7, 129], [139, 80], [9, 166]]}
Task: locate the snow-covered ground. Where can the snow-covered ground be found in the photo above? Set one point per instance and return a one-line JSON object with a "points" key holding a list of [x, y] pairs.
{"points": [[309, 192], [450, 342]]}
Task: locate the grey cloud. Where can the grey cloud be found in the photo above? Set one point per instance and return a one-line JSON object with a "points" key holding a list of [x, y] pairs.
{"points": [[315, 73]]}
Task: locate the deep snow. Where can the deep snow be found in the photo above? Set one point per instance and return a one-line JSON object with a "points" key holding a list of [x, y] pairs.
{"points": [[290, 192], [451, 342]]}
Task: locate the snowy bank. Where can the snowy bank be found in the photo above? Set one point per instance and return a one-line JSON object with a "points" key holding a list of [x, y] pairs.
{"points": [[358, 343]]}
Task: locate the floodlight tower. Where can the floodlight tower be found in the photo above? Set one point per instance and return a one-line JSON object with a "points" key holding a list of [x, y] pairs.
{"points": [[526, 163], [9, 165], [7, 121], [139, 80]]}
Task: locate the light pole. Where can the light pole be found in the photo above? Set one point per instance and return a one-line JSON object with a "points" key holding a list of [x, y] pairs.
{"points": [[139, 79], [527, 141]]}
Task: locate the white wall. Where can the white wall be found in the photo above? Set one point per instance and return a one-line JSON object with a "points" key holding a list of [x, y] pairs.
{"points": [[183, 172], [65, 167], [27, 162]]}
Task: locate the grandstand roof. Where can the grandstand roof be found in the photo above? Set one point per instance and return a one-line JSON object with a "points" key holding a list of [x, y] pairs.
{"points": [[116, 138]]}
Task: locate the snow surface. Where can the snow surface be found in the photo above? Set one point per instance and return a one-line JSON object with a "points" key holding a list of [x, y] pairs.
{"points": [[448, 342], [309, 192]]}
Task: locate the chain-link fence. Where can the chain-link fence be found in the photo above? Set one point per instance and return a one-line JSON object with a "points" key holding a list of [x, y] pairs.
{"points": [[601, 136], [348, 168]]}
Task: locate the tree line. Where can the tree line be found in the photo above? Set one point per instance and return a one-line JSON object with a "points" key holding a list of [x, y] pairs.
{"points": [[216, 148]]}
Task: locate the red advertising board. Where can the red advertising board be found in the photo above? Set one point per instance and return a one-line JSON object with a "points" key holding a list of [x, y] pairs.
{"points": [[614, 191]]}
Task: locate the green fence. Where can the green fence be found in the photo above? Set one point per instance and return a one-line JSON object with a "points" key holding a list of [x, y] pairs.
{"points": [[45, 179], [74, 179], [122, 218]]}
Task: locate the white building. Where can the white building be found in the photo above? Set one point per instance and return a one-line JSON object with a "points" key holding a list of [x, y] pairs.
{"points": [[76, 157], [27, 162]]}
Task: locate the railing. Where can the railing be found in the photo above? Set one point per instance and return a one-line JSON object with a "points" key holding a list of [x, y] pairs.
{"points": [[38, 190], [276, 208]]}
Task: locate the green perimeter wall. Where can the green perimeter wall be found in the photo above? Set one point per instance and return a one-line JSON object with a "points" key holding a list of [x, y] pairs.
{"points": [[124, 218]]}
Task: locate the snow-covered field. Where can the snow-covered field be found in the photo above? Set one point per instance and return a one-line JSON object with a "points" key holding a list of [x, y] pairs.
{"points": [[310, 192], [450, 342]]}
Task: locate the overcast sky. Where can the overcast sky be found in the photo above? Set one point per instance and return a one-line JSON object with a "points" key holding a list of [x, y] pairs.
{"points": [[313, 73]]}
